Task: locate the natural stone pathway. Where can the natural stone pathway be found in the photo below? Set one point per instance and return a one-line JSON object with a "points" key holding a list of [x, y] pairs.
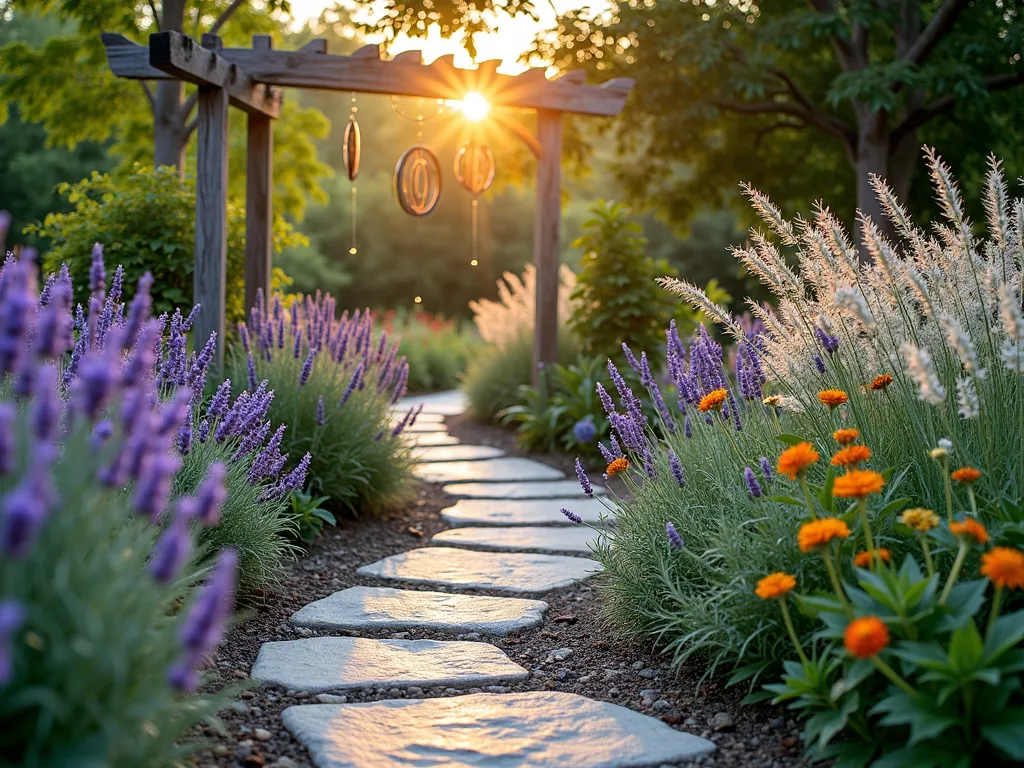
{"points": [[505, 523]]}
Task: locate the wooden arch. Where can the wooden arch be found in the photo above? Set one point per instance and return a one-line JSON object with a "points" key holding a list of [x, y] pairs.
{"points": [[251, 78]]}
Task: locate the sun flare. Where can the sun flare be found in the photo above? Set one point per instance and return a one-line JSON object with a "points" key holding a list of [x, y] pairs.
{"points": [[474, 107]]}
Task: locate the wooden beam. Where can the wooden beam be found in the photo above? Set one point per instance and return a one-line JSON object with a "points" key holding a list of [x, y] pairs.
{"points": [[259, 185], [208, 278], [546, 254], [179, 56], [316, 45]]}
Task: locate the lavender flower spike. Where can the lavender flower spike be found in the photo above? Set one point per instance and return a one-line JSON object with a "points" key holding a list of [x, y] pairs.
{"points": [[677, 469], [321, 412], [154, 486], [581, 475], [753, 487], [23, 512], [8, 413], [766, 469], [673, 536], [11, 617], [211, 495], [174, 546], [572, 517], [307, 368]]}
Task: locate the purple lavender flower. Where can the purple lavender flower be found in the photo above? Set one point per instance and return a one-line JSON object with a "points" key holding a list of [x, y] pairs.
{"points": [[8, 448], [204, 626], [173, 413], [819, 363], [154, 486], [138, 311], [401, 381], [174, 546], [615, 447], [321, 412], [307, 368], [828, 342], [252, 371], [606, 454], [630, 357], [24, 509], [17, 311], [649, 468], [201, 364], [46, 406], [753, 487], [677, 469], [581, 475], [100, 434], [12, 615], [606, 399], [140, 364], [95, 384], [356, 379], [295, 479], [572, 517], [766, 469], [268, 462], [687, 427], [297, 347], [211, 495], [53, 333], [584, 431], [185, 437], [673, 536], [204, 431], [97, 272], [219, 402]]}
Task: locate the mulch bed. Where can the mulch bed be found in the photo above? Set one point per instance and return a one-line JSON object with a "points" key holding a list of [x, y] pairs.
{"points": [[598, 664]]}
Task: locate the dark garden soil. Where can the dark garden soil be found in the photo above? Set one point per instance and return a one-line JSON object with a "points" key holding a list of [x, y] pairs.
{"points": [[572, 651]]}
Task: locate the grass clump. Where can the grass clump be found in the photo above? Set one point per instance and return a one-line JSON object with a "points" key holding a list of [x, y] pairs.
{"points": [[437, 350]]}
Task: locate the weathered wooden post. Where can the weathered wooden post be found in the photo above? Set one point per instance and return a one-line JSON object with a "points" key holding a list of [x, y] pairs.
{"points": [[258, 197], [545, 239]]}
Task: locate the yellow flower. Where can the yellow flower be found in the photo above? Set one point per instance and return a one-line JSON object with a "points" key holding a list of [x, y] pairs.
{"points": [[833, 397], [1004, 566], [920, 519], [617, 466], [938, 453], [845, 436], [819, 533], [865, 637], [712, 401], [863, 559], [775, 585], [797, 459], [972, 528], [857, 484], [851, 455], [881, 382], [773, 400], [967, 475]]}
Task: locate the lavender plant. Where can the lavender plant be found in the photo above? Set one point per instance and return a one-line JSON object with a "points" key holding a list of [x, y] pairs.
{"points": [[335, 385], [103, 629]]}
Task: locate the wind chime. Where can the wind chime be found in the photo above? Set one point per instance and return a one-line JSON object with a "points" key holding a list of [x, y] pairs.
{"points": [[350, 154], [474, 170], [418, 173]]}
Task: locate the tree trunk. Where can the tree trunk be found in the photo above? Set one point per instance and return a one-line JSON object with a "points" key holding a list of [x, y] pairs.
{"points": [[872, 157], [169, 136]]}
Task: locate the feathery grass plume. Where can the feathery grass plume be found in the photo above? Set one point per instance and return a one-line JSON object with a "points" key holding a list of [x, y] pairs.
{"points": [[700, 301], [770, 214]]}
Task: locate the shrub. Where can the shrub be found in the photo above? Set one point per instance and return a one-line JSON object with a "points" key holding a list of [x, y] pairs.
{"points": [[102, 626], [436, 349], [146, 220], [616, 299], [334, 385], [894, 348]]}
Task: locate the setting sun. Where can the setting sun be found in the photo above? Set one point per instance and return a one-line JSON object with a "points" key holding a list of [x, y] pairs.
{"points": [[474, 106]]}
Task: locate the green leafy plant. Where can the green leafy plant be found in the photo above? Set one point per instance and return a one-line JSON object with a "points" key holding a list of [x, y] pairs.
{"points": [[436, 349], [309, 515], [145, 221]]}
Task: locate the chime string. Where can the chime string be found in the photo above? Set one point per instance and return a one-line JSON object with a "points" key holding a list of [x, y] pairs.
{"points": [[476, 234]]}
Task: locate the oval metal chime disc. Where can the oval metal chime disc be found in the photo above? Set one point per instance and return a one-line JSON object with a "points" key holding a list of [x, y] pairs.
{"points": [[418, 181], [351, 149], [474, 167]]}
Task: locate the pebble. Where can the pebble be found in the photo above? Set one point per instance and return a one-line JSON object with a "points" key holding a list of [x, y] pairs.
{"points": [[243, 750], [414, 690], [284, 762], [638, 665], [470, 636], [496, 689], [649, 673], [661, 704], [400, 636], [394, 692], [722, 721], [561, 654], [262, 734], [330, 698]]}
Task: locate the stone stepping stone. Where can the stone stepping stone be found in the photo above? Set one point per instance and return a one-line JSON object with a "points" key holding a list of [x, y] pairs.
{"points": [[429, 438], [450, 403], [445, 453], [557, 489], [423, 418], [423, 426], [322, 664], [360, 608], [508, 469], [534, 729], [516, 572], [577, 538], [505, 513]]}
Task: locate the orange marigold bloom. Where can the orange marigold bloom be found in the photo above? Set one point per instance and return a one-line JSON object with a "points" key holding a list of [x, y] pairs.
{"points": [[857, 484], [713, 400], [967, 475], [851, 455], [819, 533], [617, 466], [1004, 567], [833, 397], [863, 559], [881, 382], [866, 636], [845, 436], [970, 527], [797, 459], [775, 585]]}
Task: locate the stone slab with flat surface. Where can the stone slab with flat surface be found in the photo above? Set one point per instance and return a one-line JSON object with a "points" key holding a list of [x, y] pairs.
{"points": [[423, 418], [535, 729], [431, 439], [554, 489], [450, 403], [360, 608], [578, 539], [421, 427], [508, 469], [321, 664], [436, 454], [516, 572], [511, 512]]}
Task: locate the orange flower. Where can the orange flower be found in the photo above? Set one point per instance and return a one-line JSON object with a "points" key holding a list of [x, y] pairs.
{"points": [[967, 475], [819, 533], [833, 397], [881, 382], [797, 459], [851, 456], [1004, 567], [845, 436], [775, 585], [970, 527], [617, 466], [866, 636], [712, 401], [863, 559], [857, 484]]}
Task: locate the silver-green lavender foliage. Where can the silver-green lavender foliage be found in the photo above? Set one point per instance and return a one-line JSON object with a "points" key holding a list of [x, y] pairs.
{"points": [[940, 312]]}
